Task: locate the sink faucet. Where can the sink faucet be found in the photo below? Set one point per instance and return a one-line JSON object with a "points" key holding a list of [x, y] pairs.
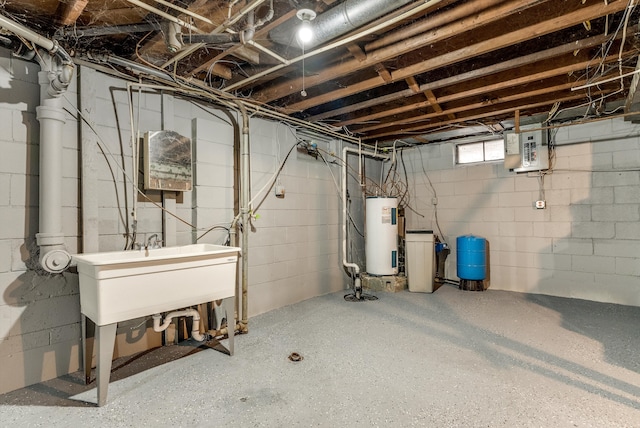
{"points": [[152, 242]]}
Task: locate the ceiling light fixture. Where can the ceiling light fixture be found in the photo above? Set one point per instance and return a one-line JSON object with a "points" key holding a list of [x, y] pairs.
{"points": [[305, 31], [305, 35]]}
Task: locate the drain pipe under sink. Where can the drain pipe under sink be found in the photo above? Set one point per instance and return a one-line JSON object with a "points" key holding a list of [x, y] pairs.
{"points": [[195, 329]]}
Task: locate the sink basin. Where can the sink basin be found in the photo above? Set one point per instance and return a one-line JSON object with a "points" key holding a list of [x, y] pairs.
{"points": [[121, 285]]}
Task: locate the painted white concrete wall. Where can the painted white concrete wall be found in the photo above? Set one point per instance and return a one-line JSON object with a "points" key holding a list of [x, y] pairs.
{"points": [[294, 244], [585, 244], [39, 313]]}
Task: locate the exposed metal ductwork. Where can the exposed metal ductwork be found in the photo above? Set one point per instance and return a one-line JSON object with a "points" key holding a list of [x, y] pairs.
{"points": [[337, 21]]}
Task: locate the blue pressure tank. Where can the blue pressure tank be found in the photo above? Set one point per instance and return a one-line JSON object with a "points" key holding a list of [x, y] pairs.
{"points": [[472, 259]]}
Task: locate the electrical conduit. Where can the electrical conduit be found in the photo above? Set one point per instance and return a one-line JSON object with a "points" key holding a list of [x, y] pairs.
{"points": [[244, 213]]}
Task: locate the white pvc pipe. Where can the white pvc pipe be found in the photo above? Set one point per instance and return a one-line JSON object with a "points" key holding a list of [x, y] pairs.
{"points": [[54, 79], [185, 11], [611, 79], [191, 49], [195, 329], [345, 219], [33, 37], [53, 257], [166, 16], [268, 52]]}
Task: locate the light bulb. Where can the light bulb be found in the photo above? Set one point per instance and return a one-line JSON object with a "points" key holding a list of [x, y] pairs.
{"points": [[305, 32]]}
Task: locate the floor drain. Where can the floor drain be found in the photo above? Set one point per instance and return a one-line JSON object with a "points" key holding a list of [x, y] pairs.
{"points": [[295, 357]]}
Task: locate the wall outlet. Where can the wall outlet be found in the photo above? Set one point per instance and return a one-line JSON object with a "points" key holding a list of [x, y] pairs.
{"points": [[541, 205], [279, 191]]}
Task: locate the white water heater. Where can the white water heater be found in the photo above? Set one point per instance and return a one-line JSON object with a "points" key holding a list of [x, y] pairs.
{"points": [[381, 235]]}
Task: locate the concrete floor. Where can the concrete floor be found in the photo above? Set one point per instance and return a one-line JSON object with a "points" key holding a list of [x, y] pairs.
{"points": [[449, 359]]}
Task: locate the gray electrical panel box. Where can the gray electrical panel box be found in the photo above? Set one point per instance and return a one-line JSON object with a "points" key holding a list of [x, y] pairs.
{"points": [[527, 150]]}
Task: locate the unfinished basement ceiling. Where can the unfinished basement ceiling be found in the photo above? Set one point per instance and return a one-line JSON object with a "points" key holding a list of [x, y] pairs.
{"points": [[420, 68]]}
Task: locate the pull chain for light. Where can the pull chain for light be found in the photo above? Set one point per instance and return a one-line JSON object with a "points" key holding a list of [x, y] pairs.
{"points": [[303, 92]]}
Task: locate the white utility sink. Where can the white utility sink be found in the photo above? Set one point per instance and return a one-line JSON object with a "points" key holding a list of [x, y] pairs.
{"points": [[121, 285]]}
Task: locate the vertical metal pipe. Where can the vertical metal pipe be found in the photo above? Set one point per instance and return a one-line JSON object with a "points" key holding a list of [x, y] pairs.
{"points": [[244, 213]]}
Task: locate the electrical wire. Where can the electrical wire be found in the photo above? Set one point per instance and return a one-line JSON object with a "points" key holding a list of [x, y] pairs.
{"points": [[407, 204], [600, 71], [214, 228], [335, 182], [435, 195], [103, 147], [271, 182]]}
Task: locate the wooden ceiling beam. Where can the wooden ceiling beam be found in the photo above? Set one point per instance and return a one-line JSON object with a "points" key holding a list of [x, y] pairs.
{"points": [[523, 61], [356, 51], [452, 29], [383, 72], [421, 140], [348, 109], [487, 89], [463, 10], [468, 107], [433, 101], [70, 11], [413, 84], [508, 39], [220, 70], [422, 128]]}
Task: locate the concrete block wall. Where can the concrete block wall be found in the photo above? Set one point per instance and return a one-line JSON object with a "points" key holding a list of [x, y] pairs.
{"points": [[294, 249], [39, 313], [295, 244], [585, 244]]}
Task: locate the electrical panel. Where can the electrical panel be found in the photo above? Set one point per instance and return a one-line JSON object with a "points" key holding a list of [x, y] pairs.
{"points": [[527, 150]]}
